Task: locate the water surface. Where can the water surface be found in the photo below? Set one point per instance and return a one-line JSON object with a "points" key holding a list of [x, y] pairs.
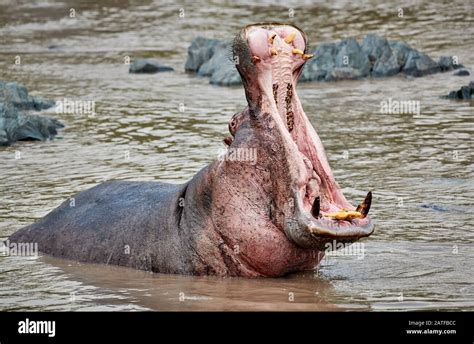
{"points": [[167, 126]]}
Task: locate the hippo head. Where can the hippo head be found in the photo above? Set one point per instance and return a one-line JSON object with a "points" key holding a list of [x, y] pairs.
{"points": [[284, 201]]}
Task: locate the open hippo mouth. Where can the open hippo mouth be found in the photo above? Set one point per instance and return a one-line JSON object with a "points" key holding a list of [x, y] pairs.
{"points": [[308, 203]]}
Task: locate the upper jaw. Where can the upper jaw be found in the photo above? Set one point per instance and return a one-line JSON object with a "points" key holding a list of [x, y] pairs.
{"points": [[271, 57]]}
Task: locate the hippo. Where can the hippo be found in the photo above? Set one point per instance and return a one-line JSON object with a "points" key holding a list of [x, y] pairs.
{"points": [[268, 216]]}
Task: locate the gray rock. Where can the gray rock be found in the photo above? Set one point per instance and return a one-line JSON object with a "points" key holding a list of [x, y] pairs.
{"points": [[465, 92], [221, 56], [220, 67], [337, 61], [39, 103], [419, 64], [200, 51], [447, 63], [375, 46], [382, 59], [321, 65], [351, 61], [227, 75], [17, 94], [15, 124], [401, 51], [346, 59], [54, 46], [462, 72], [148, 66]]}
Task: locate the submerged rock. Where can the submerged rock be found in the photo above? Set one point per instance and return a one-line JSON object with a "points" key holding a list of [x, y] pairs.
{"points": [[148, 66], [200, 51], [420, 64], [320, 66], [347, 59], [462, 72], [384, 62], [465, 92], [213, 59], [447, 63], [15, 123], [17, 94], [350, 61]]}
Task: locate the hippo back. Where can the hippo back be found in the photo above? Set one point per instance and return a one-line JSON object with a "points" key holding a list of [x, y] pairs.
{"points": [[125, 223]]}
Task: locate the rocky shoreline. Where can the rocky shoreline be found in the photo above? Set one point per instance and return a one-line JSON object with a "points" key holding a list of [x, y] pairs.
{"points": [[465, 92], [15, 123], [375, 56]]}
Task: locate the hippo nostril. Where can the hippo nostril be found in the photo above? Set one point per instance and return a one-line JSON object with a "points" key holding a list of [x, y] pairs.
{"points": [[364, 207], [315, 208]]}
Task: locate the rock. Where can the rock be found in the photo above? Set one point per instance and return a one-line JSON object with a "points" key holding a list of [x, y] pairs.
{"points": [[39, 103], [465, 92], [419, 64], [384, 62], [400, 50], [376, 57], [227, 75], [148, 66], [351, 61], [321, 65], [462, 72], [220, 57], [16, 94], [447, 63], [337, 61], [220, 67], [200, 51], [15, 124]]}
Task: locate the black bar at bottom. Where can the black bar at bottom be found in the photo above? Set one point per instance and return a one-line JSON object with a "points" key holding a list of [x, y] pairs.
{"points": [[159, 327]]}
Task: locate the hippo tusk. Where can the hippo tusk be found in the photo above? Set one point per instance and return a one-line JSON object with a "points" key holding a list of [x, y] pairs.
{"points": [[307, 56], [297, 51], [364, 207]]}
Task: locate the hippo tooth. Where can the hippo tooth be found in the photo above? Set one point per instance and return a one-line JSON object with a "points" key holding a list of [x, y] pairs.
{"points": [[290, 37], [273, 51], [316, 207], [255, 59], [271, 38], [364, 207], [297, 51], [307, 56], [345, 215]]}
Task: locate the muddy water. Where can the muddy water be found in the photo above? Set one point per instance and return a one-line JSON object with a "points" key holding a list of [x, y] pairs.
{"points": [[419, 166]]}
